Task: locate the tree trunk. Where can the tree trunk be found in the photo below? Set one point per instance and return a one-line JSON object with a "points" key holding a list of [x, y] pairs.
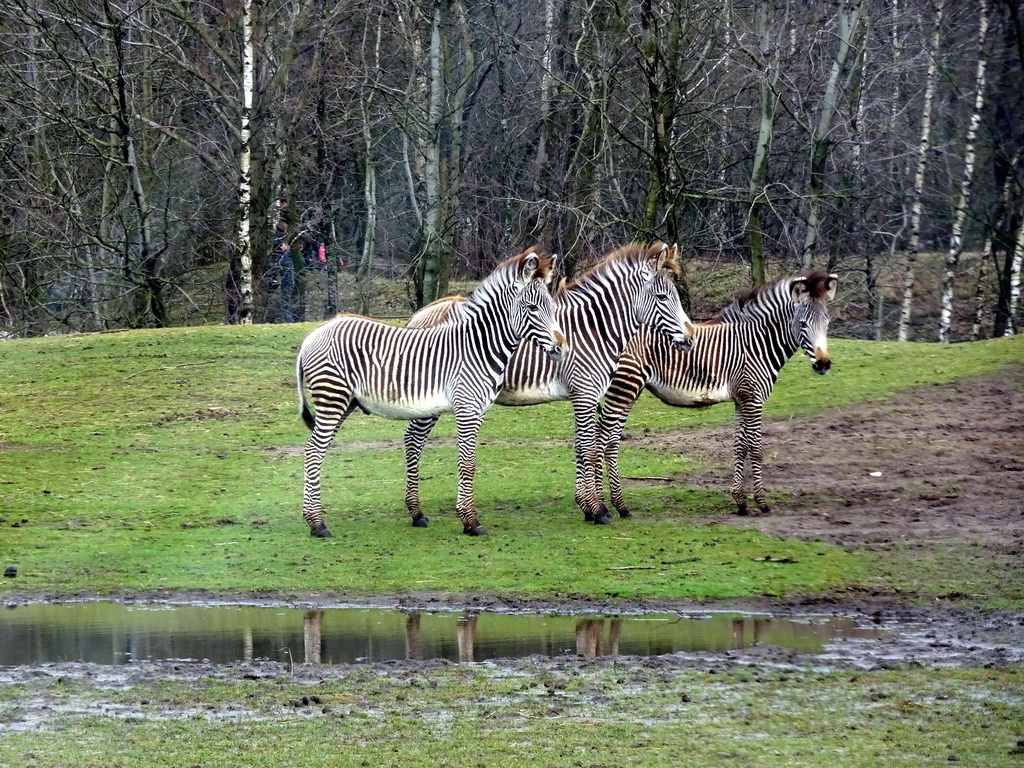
{"points": [[150, 300], [956, 239], [924, 142], [370, 200], [759, 172], [1013, 298], [244, 238], [431, 278], [848, 20]]}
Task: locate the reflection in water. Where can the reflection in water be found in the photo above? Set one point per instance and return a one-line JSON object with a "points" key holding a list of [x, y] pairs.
{"points": [[312, 632], [115, 633]]}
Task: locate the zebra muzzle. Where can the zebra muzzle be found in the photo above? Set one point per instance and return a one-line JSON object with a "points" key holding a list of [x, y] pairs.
{"points": [[821, 364], [682, 343], [560, 348]]}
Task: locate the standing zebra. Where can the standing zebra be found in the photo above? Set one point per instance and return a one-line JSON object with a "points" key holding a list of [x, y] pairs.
{"points": [[600, 312], [735, 356], [355, 362]]}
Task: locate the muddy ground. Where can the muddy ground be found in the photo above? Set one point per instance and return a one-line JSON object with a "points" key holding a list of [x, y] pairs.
{"points": [[932, 467]]}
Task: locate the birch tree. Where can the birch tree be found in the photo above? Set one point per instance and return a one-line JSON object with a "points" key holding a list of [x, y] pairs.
{"points": [[956, 239], [1013, 299], [244, 242], [924, 142]]}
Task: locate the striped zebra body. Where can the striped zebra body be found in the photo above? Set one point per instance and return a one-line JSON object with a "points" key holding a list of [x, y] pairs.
{"points": [[458, 367], [737, 356], [599, 313]]}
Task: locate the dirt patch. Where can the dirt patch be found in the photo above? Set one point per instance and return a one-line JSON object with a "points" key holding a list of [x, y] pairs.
{"points": [[930, 465]]}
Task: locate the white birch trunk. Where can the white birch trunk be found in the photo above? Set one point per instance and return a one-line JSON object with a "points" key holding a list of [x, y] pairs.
{"points": [[894, 164], [1015, 268], [924, 143], [956, 239], [246, 305], [979, 290]]}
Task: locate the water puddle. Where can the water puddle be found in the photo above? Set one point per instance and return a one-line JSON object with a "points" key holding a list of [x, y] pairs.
{"points": [[118, 633]]}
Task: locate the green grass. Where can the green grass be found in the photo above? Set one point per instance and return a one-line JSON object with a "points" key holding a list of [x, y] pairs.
{"points": [[171, 459], [579, 715], [155, 461]]}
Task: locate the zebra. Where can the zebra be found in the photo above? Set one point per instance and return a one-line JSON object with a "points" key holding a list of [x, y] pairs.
{"points": [[736, 356], [600, 311], [356, 362]]}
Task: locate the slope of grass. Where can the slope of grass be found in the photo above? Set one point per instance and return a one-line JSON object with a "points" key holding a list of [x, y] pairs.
{"points": [[171, 459]]}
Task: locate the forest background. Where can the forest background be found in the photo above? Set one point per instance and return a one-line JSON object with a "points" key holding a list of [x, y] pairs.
{"points": [[173, 162]]}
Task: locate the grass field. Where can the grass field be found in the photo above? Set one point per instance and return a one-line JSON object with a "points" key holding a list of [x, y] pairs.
{"points": [[171, 459], [154, 462]]}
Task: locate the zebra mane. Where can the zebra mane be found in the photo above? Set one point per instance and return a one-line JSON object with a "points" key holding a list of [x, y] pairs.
{"points": [[500, 275], [629, 253], [817, 287]]}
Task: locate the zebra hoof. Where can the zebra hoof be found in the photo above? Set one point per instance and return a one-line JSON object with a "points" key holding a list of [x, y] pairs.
{"points": [[420, 522], [765, 509], [625, 513], [604, 519], [321, 532], [477, 531], [742, 510]]}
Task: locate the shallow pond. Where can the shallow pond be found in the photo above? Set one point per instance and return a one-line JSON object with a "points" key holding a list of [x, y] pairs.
{"points": [[127, 633]]}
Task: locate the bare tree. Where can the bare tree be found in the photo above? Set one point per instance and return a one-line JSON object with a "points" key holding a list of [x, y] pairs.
{"points": [[924, 142], [850, 33], [956, 238]]}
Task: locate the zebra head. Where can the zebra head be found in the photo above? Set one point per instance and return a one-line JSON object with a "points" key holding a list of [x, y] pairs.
{"points": [[533, 310], [811, 295], [658, 304]]}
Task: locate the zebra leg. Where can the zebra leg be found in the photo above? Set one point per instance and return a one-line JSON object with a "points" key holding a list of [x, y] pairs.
{"points": [[468, 426], [739, 450], [329, 417], [755, 451], [609, 436], [416, 435], [628, 382], [747, 444], [588, 464]]}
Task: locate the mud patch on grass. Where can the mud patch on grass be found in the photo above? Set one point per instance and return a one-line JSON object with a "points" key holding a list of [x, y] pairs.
{"points": [[934, 465]]}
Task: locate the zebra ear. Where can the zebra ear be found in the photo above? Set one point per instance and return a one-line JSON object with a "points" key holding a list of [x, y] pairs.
{"points": [[798, 289], [663, 257], [549, 275], [833, 282], [529, 267]]}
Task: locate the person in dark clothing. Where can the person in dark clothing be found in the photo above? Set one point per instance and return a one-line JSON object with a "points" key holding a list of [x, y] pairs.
{"points": [[281, 273]]}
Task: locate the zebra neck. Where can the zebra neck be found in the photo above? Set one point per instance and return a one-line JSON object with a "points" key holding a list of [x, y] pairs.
{"points": [[770, 340], [601, 310], [487, 327]]}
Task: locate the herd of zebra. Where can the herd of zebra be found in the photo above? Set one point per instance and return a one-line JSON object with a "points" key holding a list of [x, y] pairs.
{"points": [[610, 333]]}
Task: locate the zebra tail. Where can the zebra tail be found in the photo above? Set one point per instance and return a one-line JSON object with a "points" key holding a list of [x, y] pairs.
{"points": [[307, 414]]}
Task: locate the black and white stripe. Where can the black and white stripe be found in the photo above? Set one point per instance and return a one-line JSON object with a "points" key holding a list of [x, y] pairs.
{"points": [[398, 373], [736, 356], [599, 313]]}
